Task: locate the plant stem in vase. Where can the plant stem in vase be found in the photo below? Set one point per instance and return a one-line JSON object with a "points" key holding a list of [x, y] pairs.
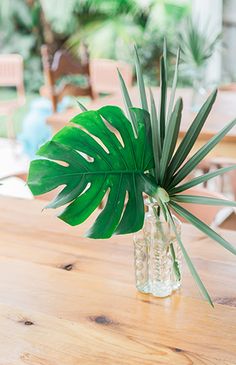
{"points": [[157, 255]]}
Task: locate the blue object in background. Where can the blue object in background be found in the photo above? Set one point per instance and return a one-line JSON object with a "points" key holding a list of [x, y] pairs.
{"points": [[35, 129]]}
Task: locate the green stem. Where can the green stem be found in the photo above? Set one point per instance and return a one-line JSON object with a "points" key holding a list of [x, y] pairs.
{"points": [[157, 213]]}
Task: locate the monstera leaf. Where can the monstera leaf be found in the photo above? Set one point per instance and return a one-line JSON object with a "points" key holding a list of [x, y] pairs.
{"points": [[98, 153]]}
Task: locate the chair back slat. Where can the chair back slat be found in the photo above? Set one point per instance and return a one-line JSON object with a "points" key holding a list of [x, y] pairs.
{"points": [[104, 75], [11, 70], [63, 64]]}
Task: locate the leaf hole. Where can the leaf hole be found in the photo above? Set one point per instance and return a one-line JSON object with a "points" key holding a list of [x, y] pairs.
{"points": [[114, 131], [97, 139], [86, 188], [126, 198], [85, 156], [59, 162], [105, 199]]}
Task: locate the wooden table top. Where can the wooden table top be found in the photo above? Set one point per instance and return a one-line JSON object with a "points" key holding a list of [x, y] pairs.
{"points": [[67, 300], [224, 110]]}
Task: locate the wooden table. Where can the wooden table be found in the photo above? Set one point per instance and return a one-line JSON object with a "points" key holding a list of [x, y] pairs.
{"points": [[223, 111], [66, 300]]}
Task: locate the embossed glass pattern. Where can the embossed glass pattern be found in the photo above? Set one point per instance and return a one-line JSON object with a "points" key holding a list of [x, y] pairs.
{"points": [[156, 255]]}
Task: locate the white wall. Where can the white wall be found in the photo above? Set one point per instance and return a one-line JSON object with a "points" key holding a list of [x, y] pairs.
{"points": [[229, 40], [209, 12]]}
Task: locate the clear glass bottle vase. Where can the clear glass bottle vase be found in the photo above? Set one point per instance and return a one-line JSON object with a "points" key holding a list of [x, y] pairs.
{"points": [[157, 255]]}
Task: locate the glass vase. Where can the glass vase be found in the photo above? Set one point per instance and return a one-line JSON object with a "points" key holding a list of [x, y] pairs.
{"points": [[157, 255]]}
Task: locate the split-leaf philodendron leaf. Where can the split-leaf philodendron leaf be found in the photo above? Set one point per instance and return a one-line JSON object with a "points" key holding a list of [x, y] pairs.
{"points": [[104, 154], [117, 170]]}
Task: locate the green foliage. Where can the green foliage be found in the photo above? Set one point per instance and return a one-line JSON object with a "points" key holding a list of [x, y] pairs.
{"points": [[108, 27], [144, 157], [20, 32], [61, 15], [163, 20], [111, 27], [115, 172], [197, 45]]}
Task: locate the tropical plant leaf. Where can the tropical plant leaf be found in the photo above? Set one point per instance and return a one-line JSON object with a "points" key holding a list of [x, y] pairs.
{"points": [[201, 179], [156, 142], [165, 56], [196, 199], [191, 135], [115, 171], [202, 227], [128, 103], [140, 81], [162, 106], [189, 262], [175, 262], [149, 184], [82, 107], [200, 154], [173, 89], [171, 137]]}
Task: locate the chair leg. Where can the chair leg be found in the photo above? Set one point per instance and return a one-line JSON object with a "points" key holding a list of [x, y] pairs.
{"points": [[10, 127]]}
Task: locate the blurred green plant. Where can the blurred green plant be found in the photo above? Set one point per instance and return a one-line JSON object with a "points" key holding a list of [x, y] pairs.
{"points": [[110, 28], [197, 44], [164, 17]]}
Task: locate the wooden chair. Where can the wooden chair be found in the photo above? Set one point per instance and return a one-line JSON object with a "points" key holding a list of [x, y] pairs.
{"points": [[228, 87], [64, 64], [104, 76], [12, 75]]}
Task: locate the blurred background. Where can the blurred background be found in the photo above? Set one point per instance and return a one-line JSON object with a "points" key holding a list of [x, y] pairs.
{"points": [[54, 52]]}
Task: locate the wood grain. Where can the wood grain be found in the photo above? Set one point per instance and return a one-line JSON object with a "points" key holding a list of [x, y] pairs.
{"points": [[67, 300]]}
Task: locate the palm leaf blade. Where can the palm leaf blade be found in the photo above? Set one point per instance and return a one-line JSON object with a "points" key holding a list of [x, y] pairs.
{"points": [[127, 102], [195, 199], [201, 153], [141, 86], [189, 263], [191, 135], [202, 227], [156, 143], [162, 106], [171, 137], [201, 179], [82, 107], [173, 89]]}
